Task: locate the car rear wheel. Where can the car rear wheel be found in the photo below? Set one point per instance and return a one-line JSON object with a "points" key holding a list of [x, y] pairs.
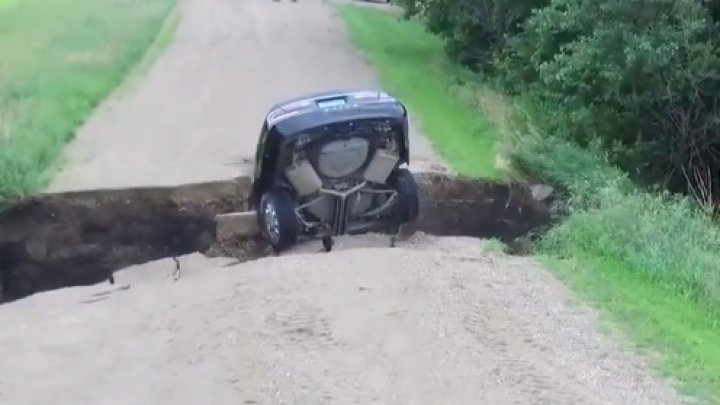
{"points": [[276, 218], [407, 207]]}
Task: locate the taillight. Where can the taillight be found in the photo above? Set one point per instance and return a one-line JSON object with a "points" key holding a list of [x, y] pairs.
{"points": [[296, 105], [366, 95], [372, 96], [287, 110]]}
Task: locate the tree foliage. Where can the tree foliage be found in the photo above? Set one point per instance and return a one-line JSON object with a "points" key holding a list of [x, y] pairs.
{"points": [[640, 78], [473, 29]]}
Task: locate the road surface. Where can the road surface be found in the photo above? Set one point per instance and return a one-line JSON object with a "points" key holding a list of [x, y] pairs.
{"points": [[434, 321]]}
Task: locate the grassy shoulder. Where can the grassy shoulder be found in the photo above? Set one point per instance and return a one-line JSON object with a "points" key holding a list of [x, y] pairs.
{"points": [[60, 59], [646, 262], [412, 65], [678, 334]]}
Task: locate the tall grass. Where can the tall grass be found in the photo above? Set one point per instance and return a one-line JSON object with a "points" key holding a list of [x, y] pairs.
{"points": [[650, 260], [665, 237], [59, 59]]}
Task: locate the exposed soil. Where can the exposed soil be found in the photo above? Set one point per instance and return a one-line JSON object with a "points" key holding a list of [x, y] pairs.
{"points": [[69, 239], [436, 320]]}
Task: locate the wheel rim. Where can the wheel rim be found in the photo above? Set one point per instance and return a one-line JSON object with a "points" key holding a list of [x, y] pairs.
{"points": [[271, 222]]}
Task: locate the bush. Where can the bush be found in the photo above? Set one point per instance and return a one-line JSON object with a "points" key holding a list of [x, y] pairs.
{"points": [[639, 78], [473, 30], [662, 236]]}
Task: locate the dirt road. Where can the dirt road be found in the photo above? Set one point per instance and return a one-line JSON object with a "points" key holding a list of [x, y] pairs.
{"points": [[434, 321], [197, 114]]}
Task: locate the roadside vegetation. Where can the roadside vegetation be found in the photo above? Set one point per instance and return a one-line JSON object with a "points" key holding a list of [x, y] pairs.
{"points": [[59, 59], [616, 103], [412, 63]]}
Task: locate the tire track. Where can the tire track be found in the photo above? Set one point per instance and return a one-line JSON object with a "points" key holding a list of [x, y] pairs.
{"points": [[537, 384], [303, 326]]}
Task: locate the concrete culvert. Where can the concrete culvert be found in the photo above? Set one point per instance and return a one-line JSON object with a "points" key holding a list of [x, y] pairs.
{"points": [[80, 238]]}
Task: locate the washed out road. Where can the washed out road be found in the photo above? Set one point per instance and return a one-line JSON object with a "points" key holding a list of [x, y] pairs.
{"points": [[432, 321]]}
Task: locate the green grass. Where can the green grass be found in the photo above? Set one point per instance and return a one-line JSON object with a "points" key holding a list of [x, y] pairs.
{"points": [[411, 64], [8, 3], [649, 263], [679, 335], [59, 60]]}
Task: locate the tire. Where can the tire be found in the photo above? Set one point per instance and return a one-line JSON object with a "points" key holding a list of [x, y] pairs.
{"points": [[283, 233], [2, 283], [407, 207]]}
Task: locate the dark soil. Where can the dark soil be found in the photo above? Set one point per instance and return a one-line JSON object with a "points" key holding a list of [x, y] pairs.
{"points": [[59, 240]]}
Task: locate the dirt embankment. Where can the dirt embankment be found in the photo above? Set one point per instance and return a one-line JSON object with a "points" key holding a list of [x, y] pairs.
{"points": [[81, 238]]}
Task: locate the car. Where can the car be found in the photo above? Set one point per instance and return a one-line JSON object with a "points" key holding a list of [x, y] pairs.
{"points": [[333, 163]]}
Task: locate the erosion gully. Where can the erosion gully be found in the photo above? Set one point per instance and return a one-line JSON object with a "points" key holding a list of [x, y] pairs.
{"points": [[59, 240]]}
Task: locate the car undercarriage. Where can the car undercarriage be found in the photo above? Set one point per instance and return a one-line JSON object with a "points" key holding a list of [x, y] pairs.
{"points": [[336, 167]]}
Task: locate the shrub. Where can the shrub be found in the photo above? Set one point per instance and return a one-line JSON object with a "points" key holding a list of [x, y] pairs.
{"points": [[640, 78], [473, 30], [662, 236]]}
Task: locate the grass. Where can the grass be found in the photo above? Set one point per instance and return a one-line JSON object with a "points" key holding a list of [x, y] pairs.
{"points": [[412, 65], [649, 263], [679, 335], [60, 60], [8, 3]]}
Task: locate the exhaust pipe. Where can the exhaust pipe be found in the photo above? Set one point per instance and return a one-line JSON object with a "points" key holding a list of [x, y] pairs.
{"points": [[303, 178], [380, 167]]}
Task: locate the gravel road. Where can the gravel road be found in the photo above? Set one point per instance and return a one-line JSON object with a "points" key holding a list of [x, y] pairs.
{"points": [[197, 114], [433, 321]]}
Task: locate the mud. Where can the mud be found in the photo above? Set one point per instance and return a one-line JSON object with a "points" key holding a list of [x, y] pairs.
{"points": [[80, 238]]}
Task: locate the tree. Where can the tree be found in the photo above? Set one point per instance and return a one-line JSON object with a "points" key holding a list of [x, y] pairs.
{"points": [[473, 30], [639, 77]]}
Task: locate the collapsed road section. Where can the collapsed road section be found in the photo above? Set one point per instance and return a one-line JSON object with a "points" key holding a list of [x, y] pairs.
{"points": [[68, 239]]}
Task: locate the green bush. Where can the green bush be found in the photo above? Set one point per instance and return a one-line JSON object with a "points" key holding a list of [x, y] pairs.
{"points": [[662, 236], [473, 30], [640, 78]]}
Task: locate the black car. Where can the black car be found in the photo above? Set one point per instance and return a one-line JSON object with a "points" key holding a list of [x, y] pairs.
{"points": [[333, 163]]}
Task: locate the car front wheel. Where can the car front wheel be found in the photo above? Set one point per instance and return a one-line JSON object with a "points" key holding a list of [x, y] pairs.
{"points": [[276, 218]]}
